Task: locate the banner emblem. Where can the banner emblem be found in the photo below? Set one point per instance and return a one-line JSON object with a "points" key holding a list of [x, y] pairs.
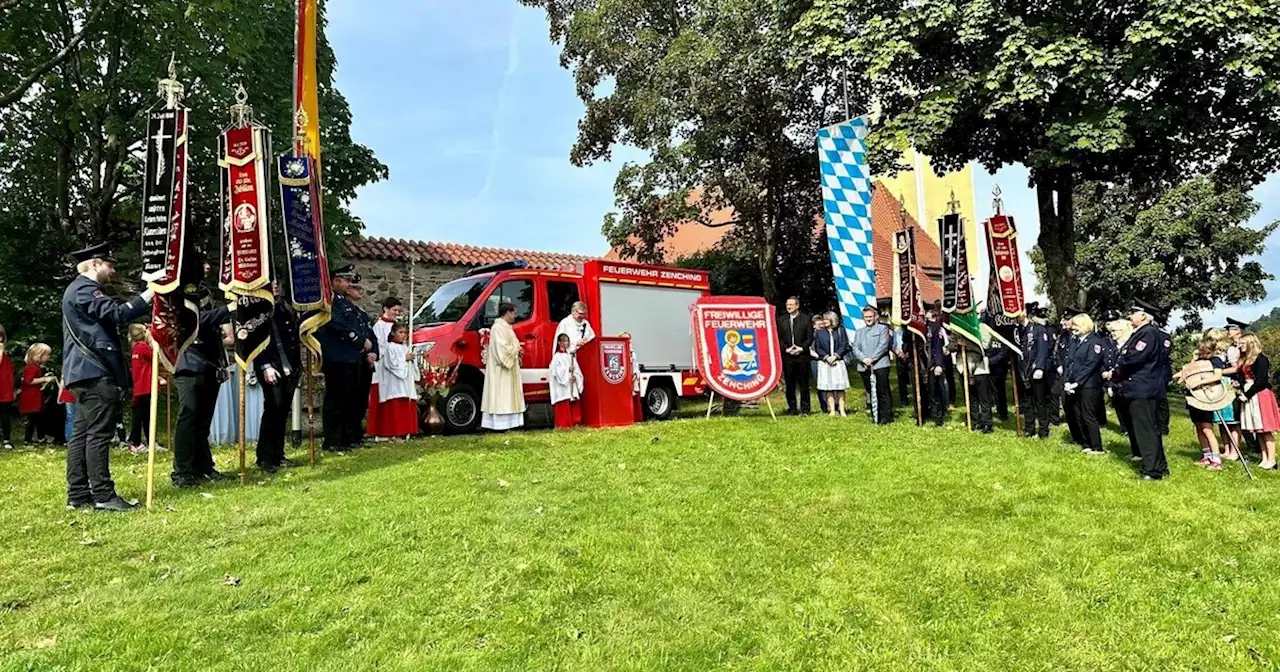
{"points": [[1002, 245], [736, 345], [612, 359]]}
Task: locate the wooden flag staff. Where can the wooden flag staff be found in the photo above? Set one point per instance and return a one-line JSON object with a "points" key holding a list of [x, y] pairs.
{"points": [[151, 429]]}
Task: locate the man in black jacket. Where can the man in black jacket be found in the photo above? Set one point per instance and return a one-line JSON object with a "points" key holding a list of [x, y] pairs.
{"points": [[1141, 376], [278, 367], [196, 380], [795, 333]]}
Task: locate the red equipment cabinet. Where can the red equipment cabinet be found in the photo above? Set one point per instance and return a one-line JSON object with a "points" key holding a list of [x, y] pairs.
{"points": [[607, 382]]}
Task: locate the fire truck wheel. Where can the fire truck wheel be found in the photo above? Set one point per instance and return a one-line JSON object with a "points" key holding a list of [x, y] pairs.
{"points": [[461, 410], [660, 402]]}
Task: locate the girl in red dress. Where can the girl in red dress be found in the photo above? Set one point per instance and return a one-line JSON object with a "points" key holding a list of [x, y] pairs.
{"points": [[398, 389], [6, 393], [566, 386], [140, 423], [31, 398]]}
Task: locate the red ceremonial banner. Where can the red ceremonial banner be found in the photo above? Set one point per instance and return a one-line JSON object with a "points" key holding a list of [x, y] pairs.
{"points": [[245, 246], [1002, 242], [735, 345]]}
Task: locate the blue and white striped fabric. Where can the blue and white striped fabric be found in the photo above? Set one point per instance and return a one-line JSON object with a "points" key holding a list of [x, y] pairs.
{"points": [[846, 197]]}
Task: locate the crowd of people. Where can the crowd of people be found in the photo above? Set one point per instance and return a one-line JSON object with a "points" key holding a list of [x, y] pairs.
{"points": [[1062, 374]]}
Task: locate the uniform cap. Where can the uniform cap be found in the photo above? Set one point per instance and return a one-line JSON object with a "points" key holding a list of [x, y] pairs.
{"points": [[347, 272], [1140, 306], [99, 251], [1233, 322]]}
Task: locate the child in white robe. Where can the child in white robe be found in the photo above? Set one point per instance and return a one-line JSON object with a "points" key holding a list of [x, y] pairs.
{"points": [[566, 386], [398, 390]]}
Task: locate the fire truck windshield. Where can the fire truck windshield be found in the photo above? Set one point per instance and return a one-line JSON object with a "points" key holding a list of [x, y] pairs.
{"points": [[449, 303]]}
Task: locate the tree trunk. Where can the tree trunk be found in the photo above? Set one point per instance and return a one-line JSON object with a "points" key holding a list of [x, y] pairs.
{"points": [[1057, 240], [766, 255]]}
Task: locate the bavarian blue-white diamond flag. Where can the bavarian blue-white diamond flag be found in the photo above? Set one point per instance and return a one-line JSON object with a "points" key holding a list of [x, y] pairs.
{"points": [[846, 197]]}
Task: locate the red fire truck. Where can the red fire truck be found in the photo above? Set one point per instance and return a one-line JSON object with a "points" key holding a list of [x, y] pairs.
{"points": [[651, 303]]}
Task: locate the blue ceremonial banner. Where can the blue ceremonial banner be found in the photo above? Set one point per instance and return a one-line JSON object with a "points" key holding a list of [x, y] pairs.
{"points": [[846, 198], [304, 240]]}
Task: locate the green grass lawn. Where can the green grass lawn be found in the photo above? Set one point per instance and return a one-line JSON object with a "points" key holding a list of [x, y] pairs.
{"points": [[741, 543]]}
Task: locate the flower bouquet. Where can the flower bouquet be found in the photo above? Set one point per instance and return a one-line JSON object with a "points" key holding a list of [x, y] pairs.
{"points": [[435, 380]]}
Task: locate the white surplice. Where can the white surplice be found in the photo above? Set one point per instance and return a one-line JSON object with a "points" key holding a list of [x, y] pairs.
{"points": [[502, 403], [399, 377], [566, 378]]}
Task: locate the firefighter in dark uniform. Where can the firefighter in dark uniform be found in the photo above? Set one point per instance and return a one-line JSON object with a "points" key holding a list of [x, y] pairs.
{"points": [[278, 368], [196, 378], [1110, 352], [1034, 371], [344, 346], [365, 367], [1064, 353], [1083, 383], [94, 369], [1141, 377], [1166, 362]]}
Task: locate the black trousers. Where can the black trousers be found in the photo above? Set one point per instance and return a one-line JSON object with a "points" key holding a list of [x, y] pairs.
{"points": [[197, 402], [1071, 409], [937, 387], [89, 451], [34, 428], [277, 402], [1101, 408], [361, 401], [905, 374], [1162, 415], [6, 421], [983, 390], [999, 386], [882, 412], [1035, 407], [1086, 403], [795, 371], [813, 375], [1126, 423], [140, 425], [1146, 433], [340, 381], [950, 373], [1054, 389]]}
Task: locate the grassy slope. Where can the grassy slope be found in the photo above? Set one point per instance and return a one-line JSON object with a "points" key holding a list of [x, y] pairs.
{"points": [[734, 543]]}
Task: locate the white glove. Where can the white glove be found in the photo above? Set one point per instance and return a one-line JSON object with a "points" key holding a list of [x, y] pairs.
{"points": [[1037, 375]]}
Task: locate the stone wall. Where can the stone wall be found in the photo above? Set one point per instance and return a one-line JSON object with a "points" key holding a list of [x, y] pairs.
{"points": [[383, 278]]}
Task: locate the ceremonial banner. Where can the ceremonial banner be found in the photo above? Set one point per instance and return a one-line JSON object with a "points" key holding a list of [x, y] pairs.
{"points": [[735, 344], [1002, 244], [846, 198], [246, 251], [907, 307], [174, 320], [164, 198], [994, 315], [957, 285], [306, 96], [309, 289]]}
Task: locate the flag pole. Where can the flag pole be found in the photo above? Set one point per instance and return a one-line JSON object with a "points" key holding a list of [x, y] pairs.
{"points": [[241, 385], [915, 364], [1017, 405], [168, 412], [311, 408], [151, 421], [968, 409]]}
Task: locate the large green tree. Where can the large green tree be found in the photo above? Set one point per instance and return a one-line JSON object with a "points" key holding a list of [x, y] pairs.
{"points": [[1188, 249], [715, 93], [71, 159], [1147, 93]]}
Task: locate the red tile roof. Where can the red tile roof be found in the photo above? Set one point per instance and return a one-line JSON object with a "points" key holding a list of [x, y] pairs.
{"points": [[691, 238], [394, 249]]}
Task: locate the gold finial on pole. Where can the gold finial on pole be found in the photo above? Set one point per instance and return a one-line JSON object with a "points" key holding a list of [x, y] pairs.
{"points": [[170, 88], [953, 205], [300, 137], [902, 211], [998, 203], [241, 111]]}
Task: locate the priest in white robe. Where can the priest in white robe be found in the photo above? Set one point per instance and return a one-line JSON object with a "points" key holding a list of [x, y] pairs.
{"points": [[577, 327], [502, 406]]}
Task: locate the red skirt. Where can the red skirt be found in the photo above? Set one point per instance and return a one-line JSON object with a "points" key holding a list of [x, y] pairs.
{"points": [[638, 407], [568, 414], [374, 418], [399, 418]]}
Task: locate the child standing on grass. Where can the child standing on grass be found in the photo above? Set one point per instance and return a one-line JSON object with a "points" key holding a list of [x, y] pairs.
{"points": [[31, 398], [397, 389], [6, 393], [566, 386], [1259, 414], [140, 364], [1206, 421]]}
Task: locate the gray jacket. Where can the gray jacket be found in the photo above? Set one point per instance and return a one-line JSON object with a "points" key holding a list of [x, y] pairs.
{"points": [[874, 342]]}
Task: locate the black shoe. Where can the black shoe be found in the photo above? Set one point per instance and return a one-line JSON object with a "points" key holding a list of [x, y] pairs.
{"points": [[73, 504], [116, 503], [185, 481], [287, 463], [1149, 477], [988, 430], [269, 468], [216, 476]]}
